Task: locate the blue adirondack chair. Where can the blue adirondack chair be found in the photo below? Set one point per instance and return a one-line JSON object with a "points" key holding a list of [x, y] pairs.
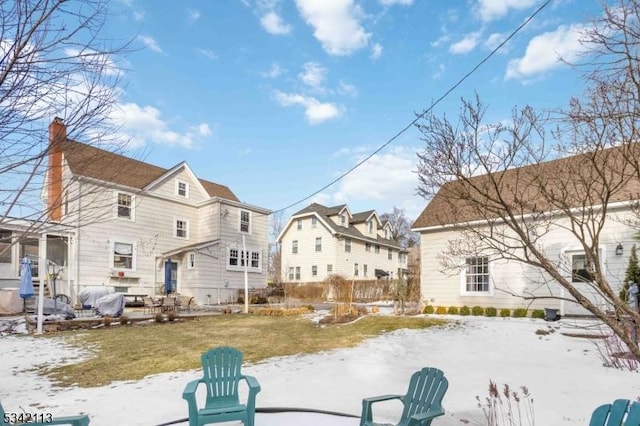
{"points": [[621, 412], [221, 377], [422, 402], [81, 420]]}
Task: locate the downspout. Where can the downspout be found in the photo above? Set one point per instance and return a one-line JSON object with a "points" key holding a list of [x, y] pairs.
{"points": [[77, 247]]}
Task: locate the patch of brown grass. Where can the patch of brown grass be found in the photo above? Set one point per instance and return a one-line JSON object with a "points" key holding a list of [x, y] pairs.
{"points": [[131, 353]]}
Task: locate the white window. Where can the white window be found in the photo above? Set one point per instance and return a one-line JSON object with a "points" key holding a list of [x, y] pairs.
{"points": [[329, 269], [364, 270], [370, 223], [299, 222], [294, 246], [233, 257], [386, 233], [182, 189], [367, 246], [125, 206], [314, 222], [245, 221], [182, 228], [297, 273], [318, 243], [291, 273], [476, 274], [347, 245], [314, 271], [377, 249], [390, 254], [355, 269], [343, 220], [191, 262], [123, 255], [237, 258], [5, 246]]}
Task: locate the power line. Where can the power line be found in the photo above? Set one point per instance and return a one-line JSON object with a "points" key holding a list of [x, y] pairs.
{"points": [[426, 111]]}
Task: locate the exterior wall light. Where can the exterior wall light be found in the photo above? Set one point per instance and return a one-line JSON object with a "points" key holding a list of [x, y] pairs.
{"points": [[619, 249]]}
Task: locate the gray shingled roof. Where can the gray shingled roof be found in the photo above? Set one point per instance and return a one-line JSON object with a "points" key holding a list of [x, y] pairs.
{"points": [[575, 181], [325, 212]]}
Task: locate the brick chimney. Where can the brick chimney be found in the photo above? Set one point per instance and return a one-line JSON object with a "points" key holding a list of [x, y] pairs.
{"points": [[57, 134]]}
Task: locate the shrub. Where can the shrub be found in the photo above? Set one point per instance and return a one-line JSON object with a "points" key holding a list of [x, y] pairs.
{"points": [[428, 309], [505, 313], [107, 321], [172, 315], [477, 311], [453, 310], [519, 313], [441, 310], [538, 313], [491, 312], [159, 317], [124, 320], [465, 310]]}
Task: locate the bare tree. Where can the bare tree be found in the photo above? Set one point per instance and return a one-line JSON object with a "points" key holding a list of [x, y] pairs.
{"points": [[400, 227], [54, 62], [277, 223], [497, 184]]}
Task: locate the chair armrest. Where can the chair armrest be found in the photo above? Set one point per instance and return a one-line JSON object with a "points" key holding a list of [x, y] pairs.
{"points": [[373, 399], [367, 406], [254, 386], [419, 418]]}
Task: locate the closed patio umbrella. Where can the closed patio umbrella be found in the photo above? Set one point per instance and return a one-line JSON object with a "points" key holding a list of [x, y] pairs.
{"points": [[26, 282], [167, 276]]}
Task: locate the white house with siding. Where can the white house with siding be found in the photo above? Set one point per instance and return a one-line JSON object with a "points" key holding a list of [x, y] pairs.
{"points": [[492, 281], [126, 219], [319, 241]]}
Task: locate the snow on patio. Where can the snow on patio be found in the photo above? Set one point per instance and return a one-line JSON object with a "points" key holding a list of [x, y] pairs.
{"points": [[565, 376]]}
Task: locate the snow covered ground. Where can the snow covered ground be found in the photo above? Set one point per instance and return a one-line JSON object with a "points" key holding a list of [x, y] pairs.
{"points": [[565, 376]]}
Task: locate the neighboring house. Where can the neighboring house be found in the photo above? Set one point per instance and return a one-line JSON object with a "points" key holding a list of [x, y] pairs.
{"points": [[502, 283], [129, 219], [319, 241]]}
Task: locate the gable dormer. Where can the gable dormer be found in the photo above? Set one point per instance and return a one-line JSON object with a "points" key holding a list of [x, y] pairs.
{"points": [[179, 183], [342, 217], [367, 223], [386, 231]]}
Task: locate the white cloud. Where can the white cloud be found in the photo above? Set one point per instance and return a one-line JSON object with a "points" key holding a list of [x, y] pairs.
{"points": [[274, 72], [208, 53], [313, 74], [494, 41], [336, 25], [376, 51], [543, 52], [138, 16], [466, 45], [94, 60], [150, 43], [399, 2], [144, 125], [194, 15], [273, 24], [490, 10], [204, 130], [347, 89], [315, 111], [387, 179]]}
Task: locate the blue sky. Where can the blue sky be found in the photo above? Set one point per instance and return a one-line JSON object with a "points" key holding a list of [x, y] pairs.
{"points": [[277, 98]]}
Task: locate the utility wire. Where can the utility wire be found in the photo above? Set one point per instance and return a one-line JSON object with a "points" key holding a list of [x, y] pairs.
{"points": [[426, 111]]}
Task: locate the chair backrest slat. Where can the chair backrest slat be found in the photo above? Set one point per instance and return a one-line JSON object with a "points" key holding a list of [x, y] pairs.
{"points": [[426, 389], [222, 372]]}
